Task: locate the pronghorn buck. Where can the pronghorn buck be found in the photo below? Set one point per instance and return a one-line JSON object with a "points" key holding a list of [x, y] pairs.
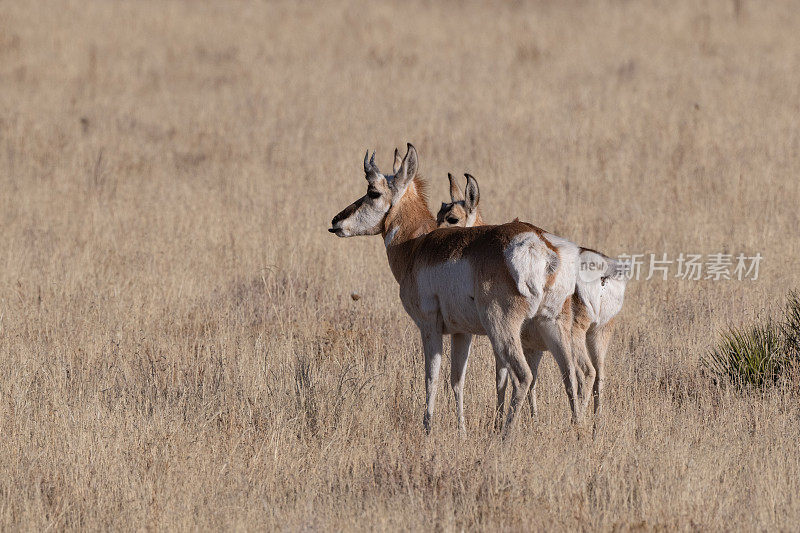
{"points": [[598, 298], [511, 282]]}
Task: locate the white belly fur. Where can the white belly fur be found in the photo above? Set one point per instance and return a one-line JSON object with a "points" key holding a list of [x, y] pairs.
{"points": [[447, 289]]}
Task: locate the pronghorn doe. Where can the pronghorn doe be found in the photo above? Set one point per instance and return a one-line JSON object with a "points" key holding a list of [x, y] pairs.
{"points": [[511, 282], [598, 297]]}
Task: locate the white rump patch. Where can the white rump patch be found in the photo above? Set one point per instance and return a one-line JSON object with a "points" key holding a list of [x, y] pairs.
{"points": [[530, 262], [601, 286], [566, 275]]}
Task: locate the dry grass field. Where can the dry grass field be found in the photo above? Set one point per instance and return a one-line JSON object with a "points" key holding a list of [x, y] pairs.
{"points": [[178, 344]]}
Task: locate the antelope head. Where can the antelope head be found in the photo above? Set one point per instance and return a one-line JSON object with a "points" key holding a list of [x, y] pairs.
{"points": [[463, 207], [366, 215]]}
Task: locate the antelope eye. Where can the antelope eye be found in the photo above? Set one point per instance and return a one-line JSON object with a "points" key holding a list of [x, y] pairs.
{"points": [[373, 194], [452, 220]]}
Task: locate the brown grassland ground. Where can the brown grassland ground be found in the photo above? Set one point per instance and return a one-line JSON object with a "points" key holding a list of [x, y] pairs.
{"points": [[178, 344]]}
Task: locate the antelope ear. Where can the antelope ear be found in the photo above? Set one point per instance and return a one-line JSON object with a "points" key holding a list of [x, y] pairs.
{"points": [[455, 192], [407, 170], [397, 161], [472, 194]]}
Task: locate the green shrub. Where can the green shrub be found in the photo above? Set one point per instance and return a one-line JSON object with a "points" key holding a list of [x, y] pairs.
{"points": [[758, 355], [791, 326]]}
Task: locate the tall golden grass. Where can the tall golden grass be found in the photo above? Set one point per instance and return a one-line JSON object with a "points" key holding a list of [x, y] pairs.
{"points": [[178, 344]]}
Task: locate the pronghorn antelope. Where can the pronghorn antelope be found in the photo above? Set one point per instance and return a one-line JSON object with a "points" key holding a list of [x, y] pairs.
{"points": [[511, 282], [597, 299]]}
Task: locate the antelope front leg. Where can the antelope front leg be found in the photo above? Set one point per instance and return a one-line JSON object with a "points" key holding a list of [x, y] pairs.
{"points": [[534, 357], [580, 356], [461, 343], [501, 381], [557, 336], [597, 343], [432, 347]]}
